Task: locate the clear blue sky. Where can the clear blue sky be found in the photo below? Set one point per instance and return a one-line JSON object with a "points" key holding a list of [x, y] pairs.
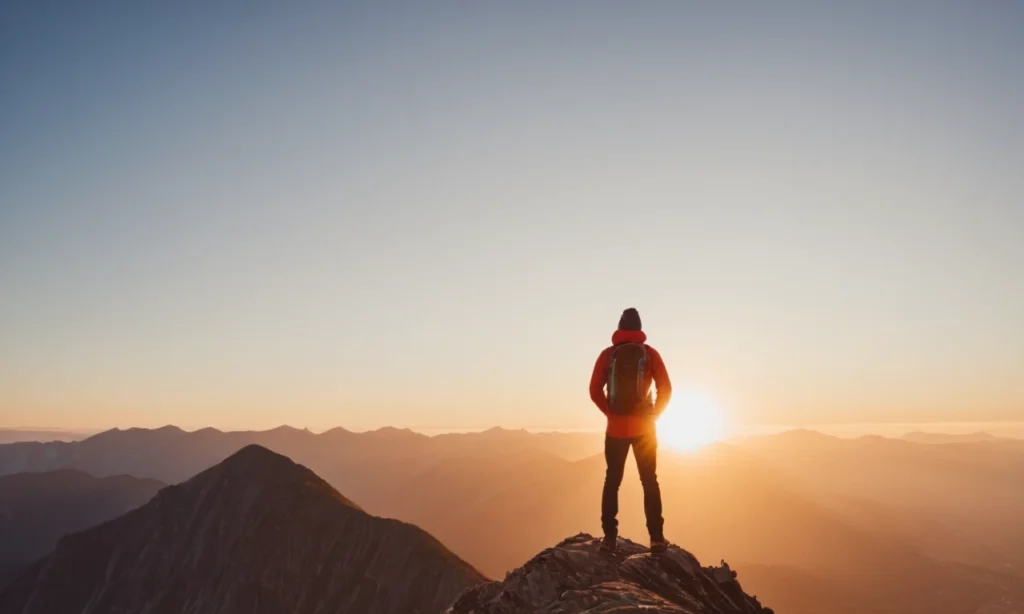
{"points": [[431, 214]]}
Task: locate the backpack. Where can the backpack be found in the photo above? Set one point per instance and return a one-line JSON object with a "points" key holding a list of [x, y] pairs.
{"points": [[626, 372]]}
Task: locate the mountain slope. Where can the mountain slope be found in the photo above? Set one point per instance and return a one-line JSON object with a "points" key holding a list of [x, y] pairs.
{"points": [[575, 577], [37, 509], [256, 533]]}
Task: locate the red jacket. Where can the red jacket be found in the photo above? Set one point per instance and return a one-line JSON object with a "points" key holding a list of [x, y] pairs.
{"points": [[627, 427]]}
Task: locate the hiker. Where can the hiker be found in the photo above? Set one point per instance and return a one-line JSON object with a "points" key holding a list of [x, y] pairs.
{"points": [[627, 369]]}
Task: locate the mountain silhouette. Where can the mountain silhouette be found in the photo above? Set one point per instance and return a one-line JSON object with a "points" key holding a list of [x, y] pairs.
{"points": [[255, 533], [946, 438], [805, 517], [37, 509], [574, 576], [19, 435], [172, 455]]}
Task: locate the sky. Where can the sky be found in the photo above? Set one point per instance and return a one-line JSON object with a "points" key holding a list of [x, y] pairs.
{"points": [[430, 215]]}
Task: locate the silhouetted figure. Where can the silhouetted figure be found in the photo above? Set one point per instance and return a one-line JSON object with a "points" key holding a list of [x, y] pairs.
{"points": [[626, 369]]}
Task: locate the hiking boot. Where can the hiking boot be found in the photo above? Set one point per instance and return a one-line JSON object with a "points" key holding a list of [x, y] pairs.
{"points": [[658, 545], [609, 543]]}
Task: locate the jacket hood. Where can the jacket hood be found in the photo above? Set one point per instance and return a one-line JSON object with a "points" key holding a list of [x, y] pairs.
{"points": [[628, 336]]}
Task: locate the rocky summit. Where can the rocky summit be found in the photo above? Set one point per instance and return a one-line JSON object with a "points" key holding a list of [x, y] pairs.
{"points": [[574, 576]]}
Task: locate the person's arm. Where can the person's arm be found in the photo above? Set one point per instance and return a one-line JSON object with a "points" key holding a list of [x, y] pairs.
{"points": [[597, 381], [662, 383]]}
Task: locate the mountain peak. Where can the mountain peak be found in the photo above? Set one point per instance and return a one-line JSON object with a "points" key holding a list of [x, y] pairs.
{"points": [[163, 432], [287, 428], [254, 456], [256, 533], [574, 576], [254, 469], [395, 432]]}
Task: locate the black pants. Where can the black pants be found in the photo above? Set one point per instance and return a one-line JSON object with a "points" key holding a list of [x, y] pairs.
{"points": [[645, 449]]}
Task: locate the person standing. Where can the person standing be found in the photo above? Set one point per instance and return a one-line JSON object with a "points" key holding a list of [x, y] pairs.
{"points": [[620, 386]]}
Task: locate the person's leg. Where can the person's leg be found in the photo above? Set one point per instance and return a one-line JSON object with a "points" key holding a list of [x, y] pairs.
{"points": [[615, 452], [645, 449]]}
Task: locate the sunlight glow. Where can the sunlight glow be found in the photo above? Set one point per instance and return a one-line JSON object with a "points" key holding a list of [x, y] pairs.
{"points": [[691, 421]]}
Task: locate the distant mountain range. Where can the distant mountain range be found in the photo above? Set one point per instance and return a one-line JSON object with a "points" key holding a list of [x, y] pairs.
{"points": [[37, 509], [805, 517], [16, 435], [172, 454], [944, 438], [255, 534], [259, 534]]}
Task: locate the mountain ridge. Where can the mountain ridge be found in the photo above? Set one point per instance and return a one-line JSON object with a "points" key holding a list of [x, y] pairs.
{"points": [[255, 533], [817, 505]]}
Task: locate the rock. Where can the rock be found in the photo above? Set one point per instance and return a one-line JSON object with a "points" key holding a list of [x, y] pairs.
{"points": [[574, 576]]}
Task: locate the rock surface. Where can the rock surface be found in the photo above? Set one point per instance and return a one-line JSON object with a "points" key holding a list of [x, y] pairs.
{"points": [[575, 577], [254, 534]]}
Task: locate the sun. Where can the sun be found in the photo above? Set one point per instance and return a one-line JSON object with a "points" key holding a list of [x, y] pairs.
{"points": [[692, 420]]}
